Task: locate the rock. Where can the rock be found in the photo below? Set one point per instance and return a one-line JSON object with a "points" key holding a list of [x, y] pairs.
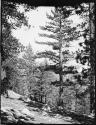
{"points": [[60, 108], [46, 108], [7, 116], [5, 108], [6, 111], [27, 112], [67, 118], [25, 99], [13, 95], [58, 116], [44, 113], [22, 121], [28, 100], [35, 109], [91, 115], [16, 113], [11, 119], [24, 118]]}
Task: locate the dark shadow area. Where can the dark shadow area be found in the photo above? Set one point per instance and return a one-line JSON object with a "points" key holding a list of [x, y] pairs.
{"points": [[35, 105], [83, 119]]}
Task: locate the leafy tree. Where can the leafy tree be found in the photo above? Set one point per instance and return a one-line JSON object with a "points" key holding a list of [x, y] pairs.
{"points": [[86, 11], [10, 47], [28, 63], [28, 56], [61, 31], [39, 89]]}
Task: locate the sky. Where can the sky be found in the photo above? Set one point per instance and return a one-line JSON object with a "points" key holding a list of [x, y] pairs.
{"points": [[25, 35], [37, 18]]}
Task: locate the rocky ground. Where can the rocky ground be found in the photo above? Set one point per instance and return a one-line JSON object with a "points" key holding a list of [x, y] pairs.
{"points": [[16, 111]]}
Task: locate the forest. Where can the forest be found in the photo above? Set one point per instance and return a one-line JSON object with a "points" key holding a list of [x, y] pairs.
{"points": [[61, 87]]}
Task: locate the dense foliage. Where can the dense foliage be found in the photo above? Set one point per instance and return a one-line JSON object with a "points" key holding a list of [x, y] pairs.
{"points": [[10, 47], [56, 84], [87, 55]]}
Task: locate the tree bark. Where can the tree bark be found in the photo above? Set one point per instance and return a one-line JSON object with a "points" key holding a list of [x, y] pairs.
{"points": [[60, 64], [92, 57]]}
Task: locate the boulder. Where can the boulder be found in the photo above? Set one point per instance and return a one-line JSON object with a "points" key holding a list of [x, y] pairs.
{"points": [[6, 111], [11, 119], [58, 116], [44, 113], [16, 113], [28, 100], [67, 118], [46, 108], [92, 115], [13, 95], [10, 115], [27, 112], [25, 99], [7, 116]]}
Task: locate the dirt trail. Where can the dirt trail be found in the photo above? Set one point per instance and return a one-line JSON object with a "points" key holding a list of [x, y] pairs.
{"points": [[39, 116]]}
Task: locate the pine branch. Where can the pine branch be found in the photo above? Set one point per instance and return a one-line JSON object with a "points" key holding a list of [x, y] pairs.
{"points": [[46, 43], [49, 16], [46, 28], [49, 54], [49, 36]]}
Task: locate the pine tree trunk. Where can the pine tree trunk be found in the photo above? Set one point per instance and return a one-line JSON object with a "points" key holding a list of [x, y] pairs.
{"points": [[41, 98], [45, 100], [92, 37], [60, 65], [92, 96], [76, 103], [60, 90], [61, 82]]}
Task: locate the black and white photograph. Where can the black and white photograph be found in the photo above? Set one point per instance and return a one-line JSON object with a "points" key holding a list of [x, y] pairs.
{"points": [[47, 62]]}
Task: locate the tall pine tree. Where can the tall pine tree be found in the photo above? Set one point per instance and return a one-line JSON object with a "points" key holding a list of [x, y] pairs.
{"points": [[61, 31]]}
